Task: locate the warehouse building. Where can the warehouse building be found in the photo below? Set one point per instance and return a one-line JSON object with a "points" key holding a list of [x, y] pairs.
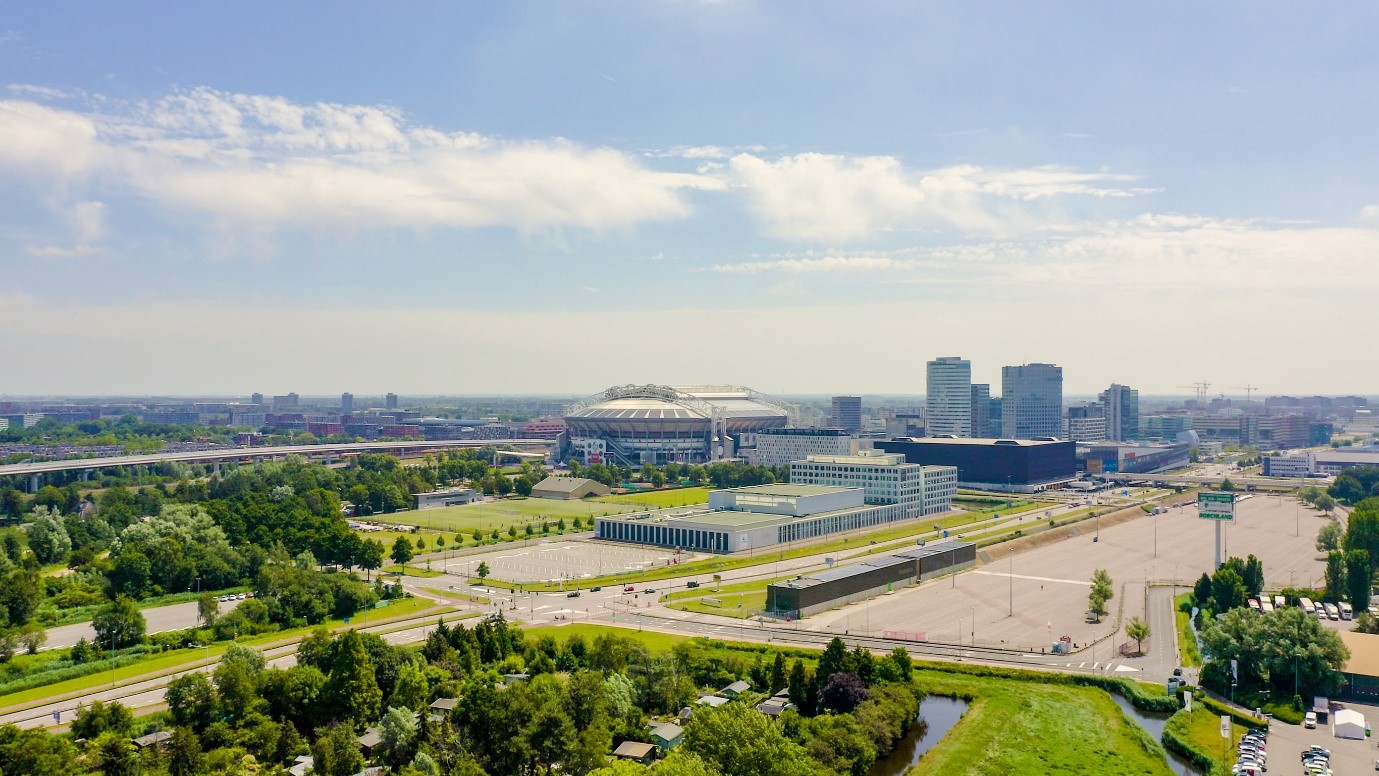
{"points": [[1133, 459], [806, 595], [569, 488], [1019, 465], [449, 497]]}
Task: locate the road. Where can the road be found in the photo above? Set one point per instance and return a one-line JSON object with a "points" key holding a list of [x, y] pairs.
{"points": [[158, 619]]}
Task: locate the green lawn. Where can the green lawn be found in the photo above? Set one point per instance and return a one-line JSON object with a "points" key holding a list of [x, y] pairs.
{"points": [[410, 570], [710, 589], [652, 640], [739, 605], [1202, 729], [182, 658], [386, 538], [661, 499], [487, 516], [1187, 645], [1019, 727]]}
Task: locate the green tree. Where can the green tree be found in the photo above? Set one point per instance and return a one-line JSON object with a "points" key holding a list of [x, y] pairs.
{"points": [[1362, 530], [398, 729], [48, 537], [1329, 537], [1227, 590], [99, 717], [778, 678], [237, 680], [1273, 650], [184, 753], [191, 700], [1359, 572], [523, 486], [1326, 503], [352, 689], [482, 570], [402, 551], [370, 556], [1227, 486], [119, 623], [1102, 590], [1201, 592], [336, 752], [737, 740], [440, 542], [1335, 576], [1252, 574], [207, 609], [1138, 630], [114, 754], [421, 544]]}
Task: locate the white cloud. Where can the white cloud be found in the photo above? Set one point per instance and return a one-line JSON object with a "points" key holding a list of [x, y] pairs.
{"points": [[703, 152], [1370, 214], [60, 252], [832, 264], [264, 163], [46, 92]]}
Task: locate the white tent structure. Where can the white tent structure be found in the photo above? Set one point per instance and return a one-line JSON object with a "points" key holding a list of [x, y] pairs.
{"points": [[1348, 723]]}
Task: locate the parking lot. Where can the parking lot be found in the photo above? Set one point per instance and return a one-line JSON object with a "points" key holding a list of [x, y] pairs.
{"points": [[1348, 756], [1046, 588], [562, 560]]}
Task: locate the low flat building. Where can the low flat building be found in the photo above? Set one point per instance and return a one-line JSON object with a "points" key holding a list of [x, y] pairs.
{"points": [[449, 497], [1132, 458], [569, 488], [805, 595], [1337, 461], [1361, 670], [1287, 466]]}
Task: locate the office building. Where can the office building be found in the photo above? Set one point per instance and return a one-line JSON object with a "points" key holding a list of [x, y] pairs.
{"points": [[1120, 405], [948, 397], [256, 399], [981, 410], [286, 401], [346, 403], [1022, 466], [994, 418], [1031, 401], [847, 413], [390, 401], [779, 446], [1085, 423], [1287, 466], [1165, 426], [886, 478]]}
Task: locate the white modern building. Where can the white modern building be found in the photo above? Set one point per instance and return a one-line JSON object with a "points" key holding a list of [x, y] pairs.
{"points": [[779, 446], [1288, 466], [1319, 464], [1085, 429], [885, 477], [948, 397]]}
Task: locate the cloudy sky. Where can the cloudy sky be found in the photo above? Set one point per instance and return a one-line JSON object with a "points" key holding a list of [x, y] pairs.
{"points": [[551, 197]]}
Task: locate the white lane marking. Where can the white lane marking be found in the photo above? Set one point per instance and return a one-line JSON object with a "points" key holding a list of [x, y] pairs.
{"points": [[1036, 579]]}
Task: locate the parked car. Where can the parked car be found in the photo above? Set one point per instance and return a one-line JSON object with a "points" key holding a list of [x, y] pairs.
{"points": [[595, 588], [628, 589], [1309, 721], [572, 594]]}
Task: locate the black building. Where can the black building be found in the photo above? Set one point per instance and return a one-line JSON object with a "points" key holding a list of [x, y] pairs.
{"points": [[1025, 465], [814, 593]]}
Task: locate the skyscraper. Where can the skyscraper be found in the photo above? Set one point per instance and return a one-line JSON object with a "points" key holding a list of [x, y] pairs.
{"points": [[346, 403], [847, 413], [981, 410], [1031, 401], [948, 397], [390, 401], [1121, 406], [256, 399]]}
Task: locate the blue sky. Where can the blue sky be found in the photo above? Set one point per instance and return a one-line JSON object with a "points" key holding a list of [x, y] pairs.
{"points": [[524, 197]]}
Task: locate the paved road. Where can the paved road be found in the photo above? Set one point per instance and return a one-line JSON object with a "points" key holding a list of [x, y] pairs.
{"points": [[159, 619]]}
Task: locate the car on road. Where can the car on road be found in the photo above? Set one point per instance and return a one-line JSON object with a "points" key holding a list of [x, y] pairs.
{"points": [[628, 589], [692, 583], [595, 588], [1310, 720], [1178, 672], [649, 590], [572, 594]]}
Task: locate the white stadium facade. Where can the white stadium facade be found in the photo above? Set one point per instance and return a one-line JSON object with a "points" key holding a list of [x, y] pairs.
{"points": [[636, 424]]}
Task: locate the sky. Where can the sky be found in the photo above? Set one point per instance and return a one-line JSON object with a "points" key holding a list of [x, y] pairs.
{"points": [[457, 198]]}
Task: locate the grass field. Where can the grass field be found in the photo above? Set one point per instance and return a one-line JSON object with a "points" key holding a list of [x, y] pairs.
{"points": [[1202, 729], [410, 570], [661, 499], [1017, 727], [738, 605], [652, 640], [489, 515], [1187, 645]]}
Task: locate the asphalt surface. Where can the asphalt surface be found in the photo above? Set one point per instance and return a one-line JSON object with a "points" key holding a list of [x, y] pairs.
{"points": [[159, 619]]}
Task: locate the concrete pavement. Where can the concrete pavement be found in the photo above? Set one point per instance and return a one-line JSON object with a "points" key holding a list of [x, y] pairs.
{"points": [[158, 619]]}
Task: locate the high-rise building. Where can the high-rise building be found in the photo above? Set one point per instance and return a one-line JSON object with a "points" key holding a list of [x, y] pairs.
{"points": [[993, 421], [256, 399], [1031, 401], [346, 403], [287, 400], [948, 397], [981, 410], [847, 413], [1120, 404], [390, 401], [1086, 423]]}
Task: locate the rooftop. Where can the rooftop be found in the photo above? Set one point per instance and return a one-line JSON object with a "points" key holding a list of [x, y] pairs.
{"points": [[787, 491], [980, 442]]}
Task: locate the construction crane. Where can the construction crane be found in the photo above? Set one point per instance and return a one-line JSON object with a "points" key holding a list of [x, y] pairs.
{"points": [[1248, 389], [1200, 388]]}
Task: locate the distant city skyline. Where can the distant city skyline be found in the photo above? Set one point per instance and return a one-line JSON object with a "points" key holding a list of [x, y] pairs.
{"points": [[532, 197]]}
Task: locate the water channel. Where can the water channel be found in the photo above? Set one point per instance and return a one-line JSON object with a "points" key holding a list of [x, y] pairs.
{"points": [[941, 714]]}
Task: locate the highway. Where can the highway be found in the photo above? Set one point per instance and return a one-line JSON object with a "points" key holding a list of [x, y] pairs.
{"points": [[254, 453], [158, 619]]}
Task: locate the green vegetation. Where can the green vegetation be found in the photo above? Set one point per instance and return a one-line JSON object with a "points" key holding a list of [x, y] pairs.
{"points": [[1187, 645], [1035, 727], [410, 571], [738, 605], [1196, 735], [661, 499], [499, 515]]}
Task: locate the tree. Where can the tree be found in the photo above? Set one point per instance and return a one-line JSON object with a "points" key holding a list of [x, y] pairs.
{"points": [[1201, 592], [1103, 590], [1227, 590], [114, 754], [1329, 537], [1273, 650], [48, 537], [184, 753], [778, 679], [98, 718], [352, 689], [398, 729], [482, 570], [1227, 486], [207, 609], [1326, 503], [801, 688], [336, 752], [843, 692], [1359, 573], [1253, 576], [523, 486], [237, 680], [119, 623], [440, 542], [191, 700], [737, 740], [402, 551], [1138, 630], [1362, 530], [370, 556], [421, 544], [1335, 576]]}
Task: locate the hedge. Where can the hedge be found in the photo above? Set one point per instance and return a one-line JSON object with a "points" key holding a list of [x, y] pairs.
{"points": [[1240, 717]]}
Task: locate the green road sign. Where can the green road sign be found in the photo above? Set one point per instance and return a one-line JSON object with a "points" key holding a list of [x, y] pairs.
{"points": [[1216, 506]]}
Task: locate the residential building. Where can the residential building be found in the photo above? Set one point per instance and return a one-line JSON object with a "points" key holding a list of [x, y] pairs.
{"points": [[346, 403], [847, 413], [1120, 405], [779, 446], [286, 401], [948, 397], [1031, 401]]}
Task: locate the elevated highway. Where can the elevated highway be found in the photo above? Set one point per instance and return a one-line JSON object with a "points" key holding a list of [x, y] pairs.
{"points": [[34, 470]]}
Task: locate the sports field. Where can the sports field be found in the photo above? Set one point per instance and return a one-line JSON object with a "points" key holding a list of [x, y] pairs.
{"points": [[488, 515], [661, 499]]}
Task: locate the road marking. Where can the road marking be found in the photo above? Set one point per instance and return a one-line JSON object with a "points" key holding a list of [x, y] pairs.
{"points": [[1036, 579]]}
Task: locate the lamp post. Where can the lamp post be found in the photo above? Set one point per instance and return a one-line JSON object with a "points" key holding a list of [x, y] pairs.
{"points": [[974, 625], [1010, 574]]}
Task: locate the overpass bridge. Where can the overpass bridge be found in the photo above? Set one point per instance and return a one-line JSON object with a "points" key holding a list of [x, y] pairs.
{"points": [[34, 471], [1196, 480]]}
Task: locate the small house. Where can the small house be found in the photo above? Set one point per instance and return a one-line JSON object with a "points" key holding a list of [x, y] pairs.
{"points": [[156, 740], [370, 741], [772, 707], [735, 689], [636, 751], [301, 765], [711, 700], [441, 708], [667, 735]]}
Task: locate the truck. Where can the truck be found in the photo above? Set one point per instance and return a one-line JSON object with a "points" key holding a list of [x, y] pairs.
{"points": [[1305, 604], [1346, 612], [1332, 613]]}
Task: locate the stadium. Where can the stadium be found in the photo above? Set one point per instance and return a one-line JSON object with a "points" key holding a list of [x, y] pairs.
{"points": [[636, 424]]}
